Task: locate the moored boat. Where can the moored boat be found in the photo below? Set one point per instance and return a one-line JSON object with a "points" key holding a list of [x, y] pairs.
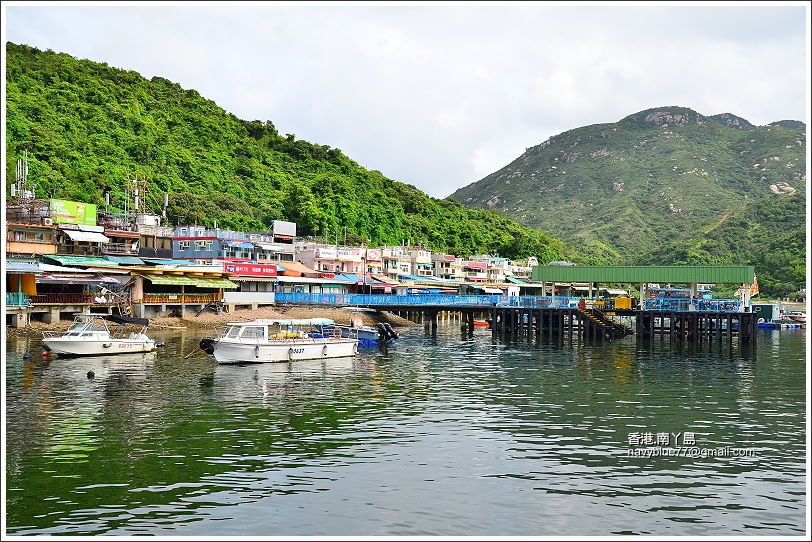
{"points": [[89, 335], [270, 341], [797, 316]]}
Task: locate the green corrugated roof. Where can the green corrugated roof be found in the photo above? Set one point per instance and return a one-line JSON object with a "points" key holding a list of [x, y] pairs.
{"points": [[127, 260], [171, 280], [81, 260], [214, 283], [680, 274], [200, 282]]}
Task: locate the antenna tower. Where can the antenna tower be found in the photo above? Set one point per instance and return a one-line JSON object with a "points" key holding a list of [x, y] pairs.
{"points": [[135, 200]]}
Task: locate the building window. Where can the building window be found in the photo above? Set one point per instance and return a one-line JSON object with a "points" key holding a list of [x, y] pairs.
{"points": [[200, 245], [40, 237], [183, 245], [183, 232], [209, 245], [19, 236]]}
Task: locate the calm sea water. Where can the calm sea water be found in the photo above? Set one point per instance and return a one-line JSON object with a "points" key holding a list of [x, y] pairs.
{"points": [[445, 435]]}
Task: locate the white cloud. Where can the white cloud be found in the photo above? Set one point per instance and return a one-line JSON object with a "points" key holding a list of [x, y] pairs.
{"points": [[439, 96]]}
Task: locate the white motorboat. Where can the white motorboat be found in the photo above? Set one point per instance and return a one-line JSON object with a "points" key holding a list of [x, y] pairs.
{"points": [[270, 341], [89, 335]]}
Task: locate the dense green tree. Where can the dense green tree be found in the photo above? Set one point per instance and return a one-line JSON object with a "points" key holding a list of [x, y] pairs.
{"points": [[89, 127]]}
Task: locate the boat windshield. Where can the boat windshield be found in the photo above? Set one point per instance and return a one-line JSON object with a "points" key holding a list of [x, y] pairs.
{"points": [[253, 332], [85, 326]]}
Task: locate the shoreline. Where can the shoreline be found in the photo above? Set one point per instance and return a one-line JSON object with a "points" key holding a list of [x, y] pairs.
{"points": [[209, 321]]}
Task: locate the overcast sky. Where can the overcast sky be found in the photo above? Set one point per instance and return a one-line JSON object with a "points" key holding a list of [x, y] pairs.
{"points": [[440, 96]]}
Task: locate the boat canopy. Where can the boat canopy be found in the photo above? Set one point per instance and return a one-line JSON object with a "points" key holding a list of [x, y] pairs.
{"points": [[115, 319], [289, 322]]}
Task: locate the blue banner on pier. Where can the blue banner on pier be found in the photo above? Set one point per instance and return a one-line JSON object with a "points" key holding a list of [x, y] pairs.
{"points": [[501, 301]]}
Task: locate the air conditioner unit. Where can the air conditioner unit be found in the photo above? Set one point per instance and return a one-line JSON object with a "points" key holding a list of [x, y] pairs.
{"points": [[47, 221]]}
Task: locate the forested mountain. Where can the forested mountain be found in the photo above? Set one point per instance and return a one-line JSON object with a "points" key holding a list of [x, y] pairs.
{"points": [[89, 127], [666, 186]]}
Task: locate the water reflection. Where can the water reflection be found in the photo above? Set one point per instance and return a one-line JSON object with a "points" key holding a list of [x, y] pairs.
{"points": [[440, 435]]}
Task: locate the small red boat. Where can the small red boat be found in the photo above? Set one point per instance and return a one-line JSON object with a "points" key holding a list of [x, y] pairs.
{"points": [[795, 316], [482, 323]]}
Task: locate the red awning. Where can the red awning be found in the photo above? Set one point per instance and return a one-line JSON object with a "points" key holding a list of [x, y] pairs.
{"points": [[296, 269]]}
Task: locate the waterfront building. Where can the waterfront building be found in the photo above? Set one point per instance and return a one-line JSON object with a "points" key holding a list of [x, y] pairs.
{"points": [[421, 261], [204, 245], [81, 239], [396, 261], [30, 230], [475, 271], [498, 269], [164, 290], [21, 286], [124, 239], [448, 267], [155, 241], [522, 270], [372, 262], [333, 259], [283, 238]]}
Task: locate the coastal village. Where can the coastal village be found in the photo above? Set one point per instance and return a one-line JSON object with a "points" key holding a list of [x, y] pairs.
{"points": [[66, 257]]}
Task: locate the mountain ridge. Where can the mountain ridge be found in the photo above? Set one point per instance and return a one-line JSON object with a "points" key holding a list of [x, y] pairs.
{"points": [[621, 191]]}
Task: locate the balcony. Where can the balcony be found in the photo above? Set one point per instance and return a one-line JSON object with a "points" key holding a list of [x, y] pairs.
{"points": [[30, 247], [122, 249], [155, 231], [66, 299], [17, 299], [181, 298]]}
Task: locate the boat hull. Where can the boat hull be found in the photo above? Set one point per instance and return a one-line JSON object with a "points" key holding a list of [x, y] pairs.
{"points": [[68, 346], [283, 351]]}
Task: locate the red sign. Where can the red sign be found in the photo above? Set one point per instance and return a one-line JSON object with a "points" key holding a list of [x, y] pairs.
{"points": [[251, 269]]}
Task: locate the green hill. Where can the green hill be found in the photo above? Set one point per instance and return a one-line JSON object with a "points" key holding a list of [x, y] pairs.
{"points": [[88, 127], [666, 186]]}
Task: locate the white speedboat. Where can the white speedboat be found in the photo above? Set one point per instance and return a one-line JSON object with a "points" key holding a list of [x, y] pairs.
{"points": [[269, 341], [89, 335]]}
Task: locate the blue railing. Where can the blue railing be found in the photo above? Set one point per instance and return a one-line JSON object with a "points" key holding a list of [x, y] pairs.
{"points": [[698, 305], [16, 299], [525, 301]]}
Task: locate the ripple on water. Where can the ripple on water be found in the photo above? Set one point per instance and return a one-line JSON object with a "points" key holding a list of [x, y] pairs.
{"points": [[436, 436]]}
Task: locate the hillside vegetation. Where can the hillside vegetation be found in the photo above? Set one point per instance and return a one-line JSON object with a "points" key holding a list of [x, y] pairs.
{"points": [[666, 186], [89, 127]]}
